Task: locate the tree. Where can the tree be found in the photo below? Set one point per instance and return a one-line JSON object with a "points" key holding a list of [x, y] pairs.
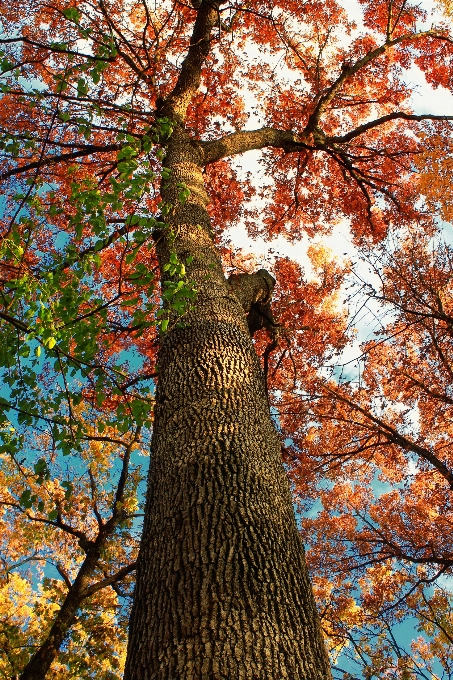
{"points": [[80, 521], [117, 124], [382, 439]]}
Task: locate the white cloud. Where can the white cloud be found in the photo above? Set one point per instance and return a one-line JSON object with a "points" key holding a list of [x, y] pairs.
{"points": [[425, 98]]}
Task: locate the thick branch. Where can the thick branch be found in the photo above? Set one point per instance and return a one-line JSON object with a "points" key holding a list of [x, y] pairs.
{"points": [[117, 512], [246, 140], [40, 663], [64, 575], [254, 292], [38, 666], [431, 393], [110, 580], [59, 524], [175, 106], [350, 70], [17, 323], [341, 139], [252, 288], [138, 378]]}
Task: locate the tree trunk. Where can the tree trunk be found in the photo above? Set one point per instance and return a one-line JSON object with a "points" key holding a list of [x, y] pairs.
{"points": [[222, 585], [82, 587], [39, 665]]}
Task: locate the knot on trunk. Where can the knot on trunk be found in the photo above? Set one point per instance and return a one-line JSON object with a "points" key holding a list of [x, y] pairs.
{"points": [[254, 292]]}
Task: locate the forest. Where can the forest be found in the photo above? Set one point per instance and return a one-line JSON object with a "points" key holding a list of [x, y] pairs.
{"points": [[226, 445]]}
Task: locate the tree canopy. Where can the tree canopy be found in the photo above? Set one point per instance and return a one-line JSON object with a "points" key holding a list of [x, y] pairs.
{"points": [[91, 95]]}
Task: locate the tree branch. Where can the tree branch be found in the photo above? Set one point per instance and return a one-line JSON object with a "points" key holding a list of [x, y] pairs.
{"points": [[246, 140], [59, 524], [341, 139], [175, 106], [350, 70], [393, 435], [51, 160], [110, 580]]}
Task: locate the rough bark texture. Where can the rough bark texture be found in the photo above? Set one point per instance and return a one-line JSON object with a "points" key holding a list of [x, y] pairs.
{"points": [[241, 141], [222, 586]]}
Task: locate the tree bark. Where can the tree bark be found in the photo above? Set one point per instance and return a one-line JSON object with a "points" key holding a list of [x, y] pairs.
{"points": [[222, 585]]}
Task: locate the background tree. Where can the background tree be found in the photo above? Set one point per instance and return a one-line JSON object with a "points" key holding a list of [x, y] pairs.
{"points": [[73, 530], [381, 438], [114, 131]]}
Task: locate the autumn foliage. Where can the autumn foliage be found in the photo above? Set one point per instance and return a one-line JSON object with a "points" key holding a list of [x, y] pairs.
{"points": [[89, 99], [375, 438]]}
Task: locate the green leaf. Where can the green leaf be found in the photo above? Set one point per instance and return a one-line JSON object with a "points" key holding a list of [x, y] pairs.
{"points": [[64, 116], [6, 65], [130, 303], [95, 76], [58, 46], [146, 144], [82, 87], [61, 85], [126, 152], [40, 467], [73, 14], [69, 488], [183, 195], [25, 499]]}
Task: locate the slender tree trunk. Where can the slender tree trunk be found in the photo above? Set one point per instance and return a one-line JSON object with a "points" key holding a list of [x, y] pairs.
{"points": [[82, 587], [222, 585], [39, 665]]}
